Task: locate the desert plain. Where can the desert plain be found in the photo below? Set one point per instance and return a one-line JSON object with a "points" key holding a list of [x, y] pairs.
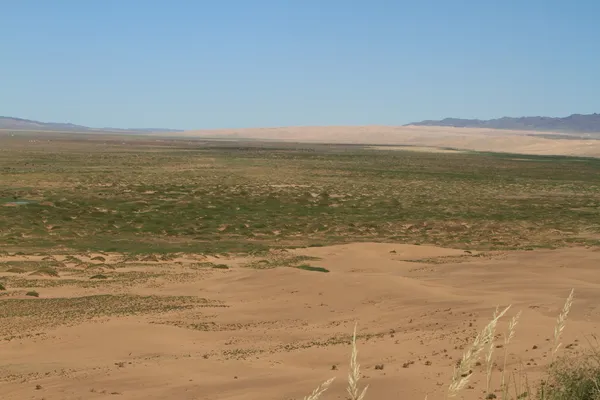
{"points": [[210, 266]]}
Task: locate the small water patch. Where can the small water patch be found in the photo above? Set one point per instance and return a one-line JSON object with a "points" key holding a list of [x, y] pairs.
{"points": [[16, 202]]}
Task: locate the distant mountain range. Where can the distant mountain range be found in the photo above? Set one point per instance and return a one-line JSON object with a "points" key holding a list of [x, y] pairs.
{"points": [[576, 123], [30, 125]]}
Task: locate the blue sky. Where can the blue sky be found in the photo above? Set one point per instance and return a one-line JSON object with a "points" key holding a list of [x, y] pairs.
{"points": [[228, 64]]}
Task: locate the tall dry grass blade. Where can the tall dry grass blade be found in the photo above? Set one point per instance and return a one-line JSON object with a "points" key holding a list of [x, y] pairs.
{"points": [[462, 373], [561, 322], [354, 373], [510, 334], [488, 360], [319, 390]]}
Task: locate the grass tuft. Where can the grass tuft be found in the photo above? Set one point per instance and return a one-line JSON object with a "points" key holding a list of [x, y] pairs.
{"points": [[510, 334], [307, 267], [573, 378], [354, 375], [561, 321], [489, 362]]}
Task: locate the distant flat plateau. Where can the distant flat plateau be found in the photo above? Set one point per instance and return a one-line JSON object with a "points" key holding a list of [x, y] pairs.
{"points": [[475, 139], [418, 138]]}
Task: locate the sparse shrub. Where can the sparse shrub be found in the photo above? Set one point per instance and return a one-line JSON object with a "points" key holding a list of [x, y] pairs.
{"points": [[99, 258], [572, 379], [311, 268], [130, 257], [32, 293], [2, 287], [16, 270], [99, 276], [45, 271], [220, 266]]}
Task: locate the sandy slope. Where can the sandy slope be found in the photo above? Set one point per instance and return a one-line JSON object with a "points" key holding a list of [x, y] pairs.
{"points": [[459, 138], [279, 335]]}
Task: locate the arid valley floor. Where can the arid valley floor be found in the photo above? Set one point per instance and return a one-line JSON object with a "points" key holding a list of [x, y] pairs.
{"points": [[149, 268]]}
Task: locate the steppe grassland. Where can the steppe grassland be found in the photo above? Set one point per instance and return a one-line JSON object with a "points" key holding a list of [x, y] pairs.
{"points": [[151, 196], [96, 227]]}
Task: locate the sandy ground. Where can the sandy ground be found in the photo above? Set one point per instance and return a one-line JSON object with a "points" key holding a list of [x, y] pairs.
{"points": [[282, 331], [523, 142]]}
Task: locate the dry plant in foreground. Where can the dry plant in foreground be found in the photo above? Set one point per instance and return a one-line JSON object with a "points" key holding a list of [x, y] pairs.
{"points": [[462, 372], [353, 389], [489, 362], [512, 325], [354, 374], [319, 390], [561, 321]]}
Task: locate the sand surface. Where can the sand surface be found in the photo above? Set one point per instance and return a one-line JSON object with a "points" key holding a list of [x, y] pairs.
{"points": [[277, 333], [478, 139]]}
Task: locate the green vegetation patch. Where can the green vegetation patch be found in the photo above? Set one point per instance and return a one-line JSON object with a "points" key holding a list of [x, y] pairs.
{"points": [[307, 267], [19, 316], [217, 198]]}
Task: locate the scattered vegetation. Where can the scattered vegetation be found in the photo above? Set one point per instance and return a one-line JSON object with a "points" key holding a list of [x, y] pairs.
{"points": [[21, 315], [214, 197], [278, 259], [32, 293], [573, 378]]}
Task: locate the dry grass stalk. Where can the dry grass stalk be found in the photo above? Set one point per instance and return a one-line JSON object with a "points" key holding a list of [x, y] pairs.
{"points": [[319, 390], [512, 325], [354, 373], [561, 322], [488, 359], [462, 373]]}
